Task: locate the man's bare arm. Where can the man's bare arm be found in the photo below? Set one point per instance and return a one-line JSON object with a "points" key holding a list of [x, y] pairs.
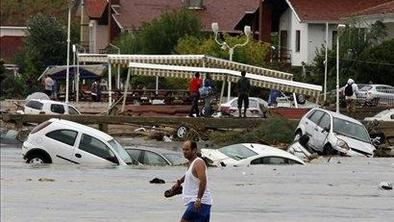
{"points": [[200, 169]]}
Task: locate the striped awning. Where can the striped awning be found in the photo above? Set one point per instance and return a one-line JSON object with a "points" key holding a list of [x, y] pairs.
{"points": [[187, 72], [183, 60]]}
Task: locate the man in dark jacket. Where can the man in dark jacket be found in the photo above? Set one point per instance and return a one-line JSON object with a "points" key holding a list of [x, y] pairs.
{"points": [[243, 86], [210, 86]]}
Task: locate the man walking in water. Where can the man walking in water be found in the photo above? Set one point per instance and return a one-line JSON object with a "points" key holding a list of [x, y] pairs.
{"points": [[195, 192]]}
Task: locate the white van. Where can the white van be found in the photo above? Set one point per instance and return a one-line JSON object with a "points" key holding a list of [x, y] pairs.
{"points": [[37, 106]]}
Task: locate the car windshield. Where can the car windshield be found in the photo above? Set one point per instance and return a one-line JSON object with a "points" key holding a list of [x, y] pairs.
{"points": [[121, 151], [175, 159], [237, 151], [350, 129]]}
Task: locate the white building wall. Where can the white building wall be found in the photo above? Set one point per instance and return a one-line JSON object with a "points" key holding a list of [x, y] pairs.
{"points": [[98, 36], [285, 25], [302, 55], [12, 31]]}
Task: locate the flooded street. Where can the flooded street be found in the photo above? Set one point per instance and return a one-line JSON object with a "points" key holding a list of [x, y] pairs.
{"points": [[343, 189]]}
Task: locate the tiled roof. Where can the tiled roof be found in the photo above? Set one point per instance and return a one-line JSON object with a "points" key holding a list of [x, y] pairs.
{"points": [[227, 13], [384, 8], [9, 46], [330, 10], [95, 8]]}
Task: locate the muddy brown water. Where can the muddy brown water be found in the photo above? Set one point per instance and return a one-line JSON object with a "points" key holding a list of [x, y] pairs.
{"points": [[343, 189]]}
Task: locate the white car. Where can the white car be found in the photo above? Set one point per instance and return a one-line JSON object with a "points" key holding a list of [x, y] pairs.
{"points": [[376, 93], [246, 154], [62, 141], [385, 115], [334, 133], [256, 107], [37, 106]]}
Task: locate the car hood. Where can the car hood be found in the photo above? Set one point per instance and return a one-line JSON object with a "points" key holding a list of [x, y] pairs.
{"points": [[217, 157], [358, 146]]}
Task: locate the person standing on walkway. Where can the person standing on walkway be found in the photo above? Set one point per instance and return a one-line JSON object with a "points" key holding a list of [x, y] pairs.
{"points": [[195, 192], [48, 85], [243, 86], [350, 91], [195, 84], [210, 86]]}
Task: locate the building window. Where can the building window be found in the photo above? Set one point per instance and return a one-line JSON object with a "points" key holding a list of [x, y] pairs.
{"points": [[334, 39], [298, 41]]}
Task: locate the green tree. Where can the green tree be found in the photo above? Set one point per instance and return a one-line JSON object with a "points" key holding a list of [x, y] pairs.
{"points": [[45, 44], [356, 46]]}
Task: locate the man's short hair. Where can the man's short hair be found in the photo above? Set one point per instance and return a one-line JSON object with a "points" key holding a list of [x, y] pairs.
{"points": [[243, 73], [197, 74], [193, 145]]}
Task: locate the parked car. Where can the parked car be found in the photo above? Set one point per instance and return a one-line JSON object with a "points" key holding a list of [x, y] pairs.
{"points": [[63, 141], [332, 133], [375, 93], [257, 107], [248, 154], [385, 115], [157, 156], [36, 106]]}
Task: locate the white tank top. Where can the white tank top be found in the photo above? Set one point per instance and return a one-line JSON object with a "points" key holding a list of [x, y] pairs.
{"points": [[190, 187]]}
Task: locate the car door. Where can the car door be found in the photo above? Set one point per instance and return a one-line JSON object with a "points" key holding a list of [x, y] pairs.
{"points": [[320, 132], [92, 150], [151, 158], [33, 107], [60, 144], [311, 122], [57, 109]]}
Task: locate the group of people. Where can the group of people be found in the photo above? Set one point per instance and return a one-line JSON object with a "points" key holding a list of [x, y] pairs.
{"points": [[50, 88], [206, 90]]}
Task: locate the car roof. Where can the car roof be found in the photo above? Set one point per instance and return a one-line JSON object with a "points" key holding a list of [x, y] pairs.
{"points": [[264, 150], [48, 101], [338, 115], [154, 149], [82, 128]]}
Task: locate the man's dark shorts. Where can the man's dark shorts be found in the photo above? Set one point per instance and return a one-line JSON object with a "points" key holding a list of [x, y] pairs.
{"points": [[201, 215]]}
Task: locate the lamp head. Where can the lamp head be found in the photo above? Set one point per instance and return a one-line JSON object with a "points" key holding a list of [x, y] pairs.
{"points": [[247, 30], [215, 27], [341, 26]]}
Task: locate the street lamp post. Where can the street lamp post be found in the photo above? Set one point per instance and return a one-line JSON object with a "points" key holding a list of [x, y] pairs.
{"points": [[225, 46], [118, 80], [76, 53], [70, 4], [339, 28]]}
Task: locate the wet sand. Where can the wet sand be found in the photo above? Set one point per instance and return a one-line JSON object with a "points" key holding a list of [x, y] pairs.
{"points": [[343, 189]]}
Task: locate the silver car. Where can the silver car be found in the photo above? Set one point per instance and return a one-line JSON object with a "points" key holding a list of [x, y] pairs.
{"points": [[334, 133], [377, 94]]}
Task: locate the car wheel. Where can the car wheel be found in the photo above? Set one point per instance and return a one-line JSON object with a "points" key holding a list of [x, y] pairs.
{"points": [[182, 132], [298, 135], [36, 159], [328, 150]]}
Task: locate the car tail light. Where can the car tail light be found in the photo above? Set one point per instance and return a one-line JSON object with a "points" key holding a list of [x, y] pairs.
{"points": [[40, 127]]}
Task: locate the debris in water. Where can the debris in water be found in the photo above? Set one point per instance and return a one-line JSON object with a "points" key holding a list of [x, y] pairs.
{"points": [[43, 179], [386, 185], [157, 180]]}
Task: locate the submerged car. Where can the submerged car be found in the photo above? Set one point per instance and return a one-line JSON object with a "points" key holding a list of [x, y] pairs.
{"points": [[334, 133], [257, 107], [385, 115], [246, 154], [157, 156], [376, 93], [63, 141], [37, 106]]}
